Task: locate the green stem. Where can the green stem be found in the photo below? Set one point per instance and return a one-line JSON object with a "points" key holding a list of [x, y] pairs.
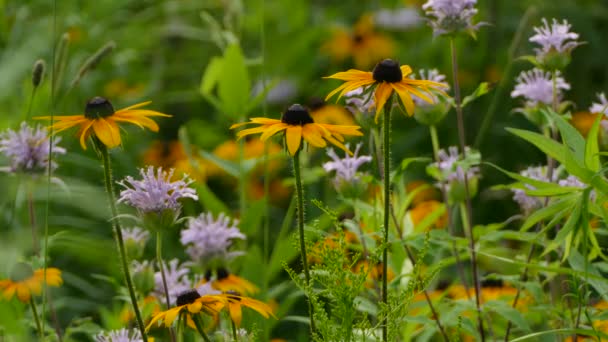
{"points": [[29, 106], [444, 193], [107, 171], [234, 334], [32, 214], [161, 267], [461, 139], [36, 318], [242, 179], [199, 327], [386, 165], [300, 211]]}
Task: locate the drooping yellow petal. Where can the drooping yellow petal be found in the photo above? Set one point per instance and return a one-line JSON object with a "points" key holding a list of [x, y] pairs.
{"points": [[155, 319], [195, 307], [140, 121], [383, 92], [260, 307], [352, 75], [137, 105], [236, 314], [171, 315], [422, 94], [107, 131], [272, 130], [312, 135], [405, 70], [293, 137], [405, 97], [83, 133]]}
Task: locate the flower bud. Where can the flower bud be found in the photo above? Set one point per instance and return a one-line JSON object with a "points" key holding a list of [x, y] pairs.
{"points": [[38, 72]]}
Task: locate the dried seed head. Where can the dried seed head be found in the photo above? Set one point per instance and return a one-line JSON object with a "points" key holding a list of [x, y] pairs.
{"points": [[38, 72]]}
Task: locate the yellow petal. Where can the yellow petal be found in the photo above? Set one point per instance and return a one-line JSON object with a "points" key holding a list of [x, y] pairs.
{"points": [[383, 92], [23, 293], [171, 315], [272, 130], [351, 75], [293, 136], [405, 70], [138, 105], [236, 313], [311, 133], [406, 98], [155, 319], [195, 307], [107, 131], [83, 133], [140, 121], [250, 131]]}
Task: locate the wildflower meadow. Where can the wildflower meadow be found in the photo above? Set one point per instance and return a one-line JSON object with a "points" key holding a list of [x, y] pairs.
{"points": [[230, 170]]}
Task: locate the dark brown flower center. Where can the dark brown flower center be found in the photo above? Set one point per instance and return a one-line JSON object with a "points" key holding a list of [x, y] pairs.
{"points": [[187, 297], [98, 107], [296, 115], [358, 38], [222, 273], [388, 71], [21, 271]]}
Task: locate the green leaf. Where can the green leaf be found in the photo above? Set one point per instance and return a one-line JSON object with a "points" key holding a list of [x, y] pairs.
{"points": [[234, 87], [567, 230], [482, 89], [228, 166], [592, 157], [549, 211], [549, 146], [212, 75], [507, 312], [590, 273], [526, 180]]}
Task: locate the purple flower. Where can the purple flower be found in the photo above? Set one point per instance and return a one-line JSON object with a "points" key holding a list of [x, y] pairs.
{"points": [[122, 335], [536, 86], [208, 238], [451, 168], [601, 106], [556, 37], [176, 276], [28, 149], [450, 16], [346, 168], [527, 203], [135, 235], [397, 19], [155, 192], [360, 101]]}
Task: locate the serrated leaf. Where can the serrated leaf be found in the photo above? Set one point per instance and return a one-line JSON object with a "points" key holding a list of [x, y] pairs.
{"points": [[482, 89], [549, 146]]}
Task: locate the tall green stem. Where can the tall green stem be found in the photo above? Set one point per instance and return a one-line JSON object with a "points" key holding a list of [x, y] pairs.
{"points": [[386, 126], [300, 204], [461, 139], [107, 171], [161, 267], [199, 327], [36, 318], [32, 214]]}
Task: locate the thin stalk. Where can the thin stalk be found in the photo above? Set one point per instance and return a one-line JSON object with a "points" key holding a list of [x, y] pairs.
{"points": [[161, 266], [199, 327], [446, 202], [242, 179], [300, 210], [386, 126], [234, 334], [36, 318], [585, 224], [32, 214], [29, 106], [469, 209], [107, 171], [45, 260]]}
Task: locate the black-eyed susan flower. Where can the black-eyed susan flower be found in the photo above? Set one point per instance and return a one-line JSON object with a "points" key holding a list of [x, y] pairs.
{"points": [[235, 302], [387, 77], [25, 282], [100, 120], [363, 44], [225, 281], [297, 124], [327, 113]]}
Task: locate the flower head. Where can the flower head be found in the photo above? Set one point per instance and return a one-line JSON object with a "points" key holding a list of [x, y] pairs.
{"points": [[297, 124], [101, 121], [536, 86], [155, 193], [434, 76], [225, 281], [28, 149], [363, 44], [451, 16], [528, 203], [601, 106], [176, 276], [554, 38], [122, 335], [452, 168], [26, 282], [208, 238], [386, 78], [346, 168]]}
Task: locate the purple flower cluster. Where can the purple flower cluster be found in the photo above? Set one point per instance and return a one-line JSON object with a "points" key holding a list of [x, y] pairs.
{"points": [[155, 192], [536, 86], [449, 16], [122, 335], [28, 149], [530, 203], [177, 279], [208, 238], [430, 75], [555, 37], [346, 168]]}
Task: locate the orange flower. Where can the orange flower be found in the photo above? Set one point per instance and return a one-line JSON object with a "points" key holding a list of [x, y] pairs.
{"points": [[25, 282]]}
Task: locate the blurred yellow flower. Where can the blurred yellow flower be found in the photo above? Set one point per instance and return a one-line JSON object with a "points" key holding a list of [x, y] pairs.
{"points": [[421, 211], [423, 192], [363, 44], [583, 121], [25, 282], [327, 113]]}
